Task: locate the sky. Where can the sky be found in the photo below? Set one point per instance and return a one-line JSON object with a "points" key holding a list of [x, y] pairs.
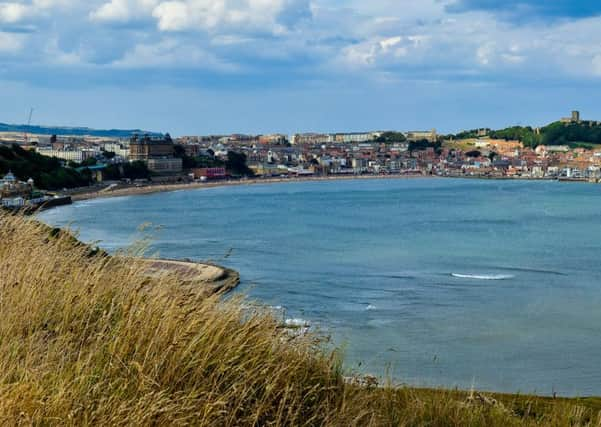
{"points": [[194, 67]]}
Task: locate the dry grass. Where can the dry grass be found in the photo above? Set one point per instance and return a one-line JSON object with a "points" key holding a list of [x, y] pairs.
{"points": [[85, 339]]}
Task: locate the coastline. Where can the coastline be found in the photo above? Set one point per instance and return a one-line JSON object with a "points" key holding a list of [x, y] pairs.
{"points": [[219, 289], [202, 278], [123, 190], [132, 190]]}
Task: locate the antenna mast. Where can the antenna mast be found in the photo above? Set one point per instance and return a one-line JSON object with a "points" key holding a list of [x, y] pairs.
{"points": [[25, 136]]}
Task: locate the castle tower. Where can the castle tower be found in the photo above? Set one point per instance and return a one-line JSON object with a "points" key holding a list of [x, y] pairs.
{"points": [[576, 116]]}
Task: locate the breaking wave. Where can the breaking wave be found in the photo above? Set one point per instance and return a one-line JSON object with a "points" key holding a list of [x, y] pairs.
{"points": [[299, 323], [483, 276]]}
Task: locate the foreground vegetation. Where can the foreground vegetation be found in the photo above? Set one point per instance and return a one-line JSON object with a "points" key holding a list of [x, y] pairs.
{"points": [[87, 339]]}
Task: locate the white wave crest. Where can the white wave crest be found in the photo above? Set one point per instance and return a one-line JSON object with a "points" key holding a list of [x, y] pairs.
{"points": [[297, 323], [483, 276]]}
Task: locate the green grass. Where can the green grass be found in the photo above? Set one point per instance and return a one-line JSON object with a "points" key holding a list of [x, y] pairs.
{"points": [[87, 339]]}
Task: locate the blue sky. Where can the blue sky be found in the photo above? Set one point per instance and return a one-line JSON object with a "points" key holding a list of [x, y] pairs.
{"points": [[258, 66]]}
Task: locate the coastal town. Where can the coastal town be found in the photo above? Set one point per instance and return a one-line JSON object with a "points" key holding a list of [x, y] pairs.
{"points": [[151, 159]]}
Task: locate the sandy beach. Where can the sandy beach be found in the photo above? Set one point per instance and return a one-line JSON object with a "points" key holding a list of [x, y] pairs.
{"points": [[131, 190]]}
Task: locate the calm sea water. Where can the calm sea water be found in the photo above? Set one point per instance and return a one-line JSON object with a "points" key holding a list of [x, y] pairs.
{"points": [[435, 282]]}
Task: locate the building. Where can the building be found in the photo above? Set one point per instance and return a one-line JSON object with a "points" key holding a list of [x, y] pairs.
{"points": [[71, 154], [209, 173], [18, 194], [545, 149], [575, 118], [419, 135], [157, 153], [10, 186], [165, 165], [119, 149], [145, 148], [312, 138], [356, 137], [277, 139]]}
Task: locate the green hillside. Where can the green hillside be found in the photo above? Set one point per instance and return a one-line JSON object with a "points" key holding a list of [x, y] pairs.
{"points": [[557, 133], [47, 172]]}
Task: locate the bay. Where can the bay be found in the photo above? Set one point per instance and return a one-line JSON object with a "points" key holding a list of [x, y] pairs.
{"points": [[434, 282]]}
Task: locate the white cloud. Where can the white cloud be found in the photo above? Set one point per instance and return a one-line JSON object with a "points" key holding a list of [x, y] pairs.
{"points": [[13, 12], [400, 49], [123, 10], [176, 15], [274, 16], [474, 44], [170, 53], [395, 38], [10, 43]]}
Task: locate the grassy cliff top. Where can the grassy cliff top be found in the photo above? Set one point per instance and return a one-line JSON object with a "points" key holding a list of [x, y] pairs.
{"points": [[87, 339]]}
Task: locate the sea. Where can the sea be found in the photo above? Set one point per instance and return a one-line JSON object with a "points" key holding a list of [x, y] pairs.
{"points": [[493, 285]]}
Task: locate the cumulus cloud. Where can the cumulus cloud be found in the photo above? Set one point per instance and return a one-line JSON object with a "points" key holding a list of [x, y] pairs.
{"points": [[169, 53], [10, 42], [385, 50], [122, 10], [13, 12], [273, 16], [432, 39], [211, 15]]}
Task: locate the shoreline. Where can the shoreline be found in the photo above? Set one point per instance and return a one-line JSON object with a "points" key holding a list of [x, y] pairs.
{"points": [[201, 277], [132, 190], [124, 190], [212, 287]]}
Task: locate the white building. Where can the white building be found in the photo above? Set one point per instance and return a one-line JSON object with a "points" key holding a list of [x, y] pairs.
{"points": [[118, 149], [312, 138], [356, 137], [77, 156], [544, 149], [13, 202]]}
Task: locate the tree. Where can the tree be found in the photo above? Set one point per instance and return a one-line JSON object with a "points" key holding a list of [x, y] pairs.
{"points": [[424, 144], [136, 170], [573, 133], [89, 162], [526, 135], [236, 164], [390, 137], [47, 172]]}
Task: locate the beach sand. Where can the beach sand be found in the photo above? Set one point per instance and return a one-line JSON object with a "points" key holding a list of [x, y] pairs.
{"points": [[130, 190]]}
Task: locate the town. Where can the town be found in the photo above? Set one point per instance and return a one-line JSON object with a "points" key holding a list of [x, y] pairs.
{"points": [[568, 149]]}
